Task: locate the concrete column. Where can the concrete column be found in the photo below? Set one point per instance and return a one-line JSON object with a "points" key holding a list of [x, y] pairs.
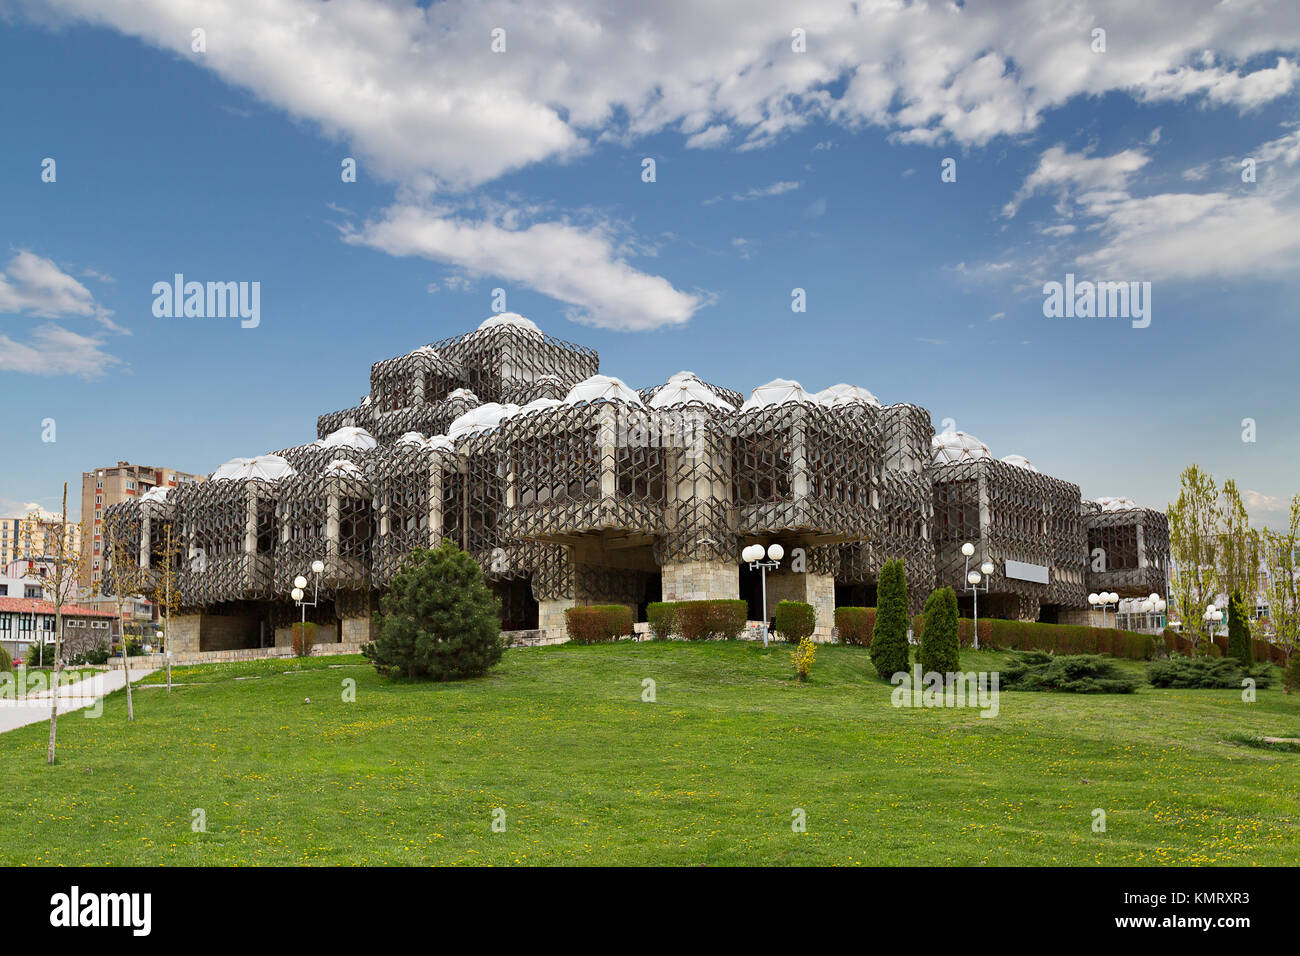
{"points": [[550, 618], [183, 634], [806, 588], [701, 581], [435, 502], [146, 530], [606, 441]]}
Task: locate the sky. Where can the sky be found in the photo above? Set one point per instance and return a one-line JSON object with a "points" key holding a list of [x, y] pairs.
{"points": [[920, 171]]}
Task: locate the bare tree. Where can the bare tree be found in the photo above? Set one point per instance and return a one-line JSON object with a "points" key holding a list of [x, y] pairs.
{"points": [[55, 585], [166, 595], [126, 578]]}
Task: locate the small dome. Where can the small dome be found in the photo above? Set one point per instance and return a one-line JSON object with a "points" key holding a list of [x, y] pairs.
{"points": [[952, 447], [683, 389], [846, 395], [261, 468], [510, 319], [463, 393], [779, 391], [540, 405], [342, 468], [600, 388], [481, 419], [1020, 461], [1117, 504], [349, 436], [424, 350], [411, 438], [439, 443], [158, 493]]}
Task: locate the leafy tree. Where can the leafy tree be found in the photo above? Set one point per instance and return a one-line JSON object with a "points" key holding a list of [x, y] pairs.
{"points": [[1239, 631], [889, 650], [1281, 552], [439, 620], [939, 642], [1194, 521]]}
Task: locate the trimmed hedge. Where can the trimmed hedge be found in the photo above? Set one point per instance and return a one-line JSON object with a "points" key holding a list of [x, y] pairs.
{"points": [[697, 620], [855, 625], [302, 637], [1059, 638], [795, 620], [598, 623], [939, 649]]}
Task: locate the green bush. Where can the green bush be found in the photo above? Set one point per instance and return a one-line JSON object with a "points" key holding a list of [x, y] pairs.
{"points": [[1291, 678], [697, 620], [854, 625], [1072, 673], [439, 620], [1202, 673], [663, 618], [939, 648], [1208, 649], [1057, 638], [889, 648], [95, 655], [6, 662], [1239, 632], [597, 623], [795, 620]]}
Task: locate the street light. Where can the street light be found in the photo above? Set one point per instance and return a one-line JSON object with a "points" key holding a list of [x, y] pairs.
{"points": [[1211, 617], [1154, 603], [1103, 600], [972, 587], [299, 590], [753, 556]]}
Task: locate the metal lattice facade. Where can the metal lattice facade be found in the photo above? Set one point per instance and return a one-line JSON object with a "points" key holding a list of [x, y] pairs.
{"points": [[567, 487]]}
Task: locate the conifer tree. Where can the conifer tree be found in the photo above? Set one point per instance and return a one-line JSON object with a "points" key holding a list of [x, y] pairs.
{"points": [[889, 650]]}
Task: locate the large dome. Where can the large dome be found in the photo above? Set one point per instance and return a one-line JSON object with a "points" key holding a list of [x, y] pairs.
{"points": [[1117, 504], [779, 391], [602, 388], [846, 395], [481, 419], [685, 388], [511, 320], [261, 468], [952, 447]]}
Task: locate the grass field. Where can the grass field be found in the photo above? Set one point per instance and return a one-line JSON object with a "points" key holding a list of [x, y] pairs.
{"points": [[587, 773]]}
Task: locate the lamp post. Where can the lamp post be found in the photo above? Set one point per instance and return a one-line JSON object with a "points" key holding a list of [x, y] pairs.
{"points": [[1103, 600], [753, 556], [1211, 617], [972, 586], [298, 592], [1154, 603]]}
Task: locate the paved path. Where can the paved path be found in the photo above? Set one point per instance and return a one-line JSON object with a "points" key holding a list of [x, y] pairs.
{"points": [[82, 694]]}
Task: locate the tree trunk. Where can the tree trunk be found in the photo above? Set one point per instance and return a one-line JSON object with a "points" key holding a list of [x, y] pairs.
{"points": [[126, 669], [58, 670]]}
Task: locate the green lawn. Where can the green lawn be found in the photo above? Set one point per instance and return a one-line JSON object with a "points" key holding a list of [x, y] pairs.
{"points": [[586, 772]]}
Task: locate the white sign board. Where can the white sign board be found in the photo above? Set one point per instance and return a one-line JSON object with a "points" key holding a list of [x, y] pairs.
{"points": [[1025, 572]]}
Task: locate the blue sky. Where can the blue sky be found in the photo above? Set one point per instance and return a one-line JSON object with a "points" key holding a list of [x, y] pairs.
{"points": [[774, 170]]}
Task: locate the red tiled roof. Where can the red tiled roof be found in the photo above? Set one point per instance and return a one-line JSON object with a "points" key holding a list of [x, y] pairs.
{"points": [[38, 606]]}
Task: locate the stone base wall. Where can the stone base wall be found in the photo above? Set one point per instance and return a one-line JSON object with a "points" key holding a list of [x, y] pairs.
{"points": [[701, 581], [183, 634], [807, 588], [356, 630], [240, 654], [550, 619]]}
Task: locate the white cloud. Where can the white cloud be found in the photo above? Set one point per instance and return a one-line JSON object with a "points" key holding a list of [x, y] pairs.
{"points": [[1070, 173], [33, 285], [54, 350], [583, 267]]}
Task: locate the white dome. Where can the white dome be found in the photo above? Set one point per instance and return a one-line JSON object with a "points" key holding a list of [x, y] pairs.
{"points": [[481, 419], [540, 405], [779, 391], [349, 436], [846, 395], [342, 468], [262, 468], [1117, 504], [410, 438], [424, 350], [952, 447], [439, 443], [602, 388], [684, 388], [158, 493], [1020, 461], [464, 393], [511, 319]]}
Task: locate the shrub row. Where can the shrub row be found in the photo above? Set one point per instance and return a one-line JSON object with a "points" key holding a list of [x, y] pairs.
{"points": [[697, 620], [597, 623], [855, 622], [795, 620], [1070, 673], [1203, 672]]}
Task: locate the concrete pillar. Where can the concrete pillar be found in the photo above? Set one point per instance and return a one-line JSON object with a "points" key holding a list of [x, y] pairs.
{"points": [[146, 531], [550, 618], [701, 581], [806, 588]]}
